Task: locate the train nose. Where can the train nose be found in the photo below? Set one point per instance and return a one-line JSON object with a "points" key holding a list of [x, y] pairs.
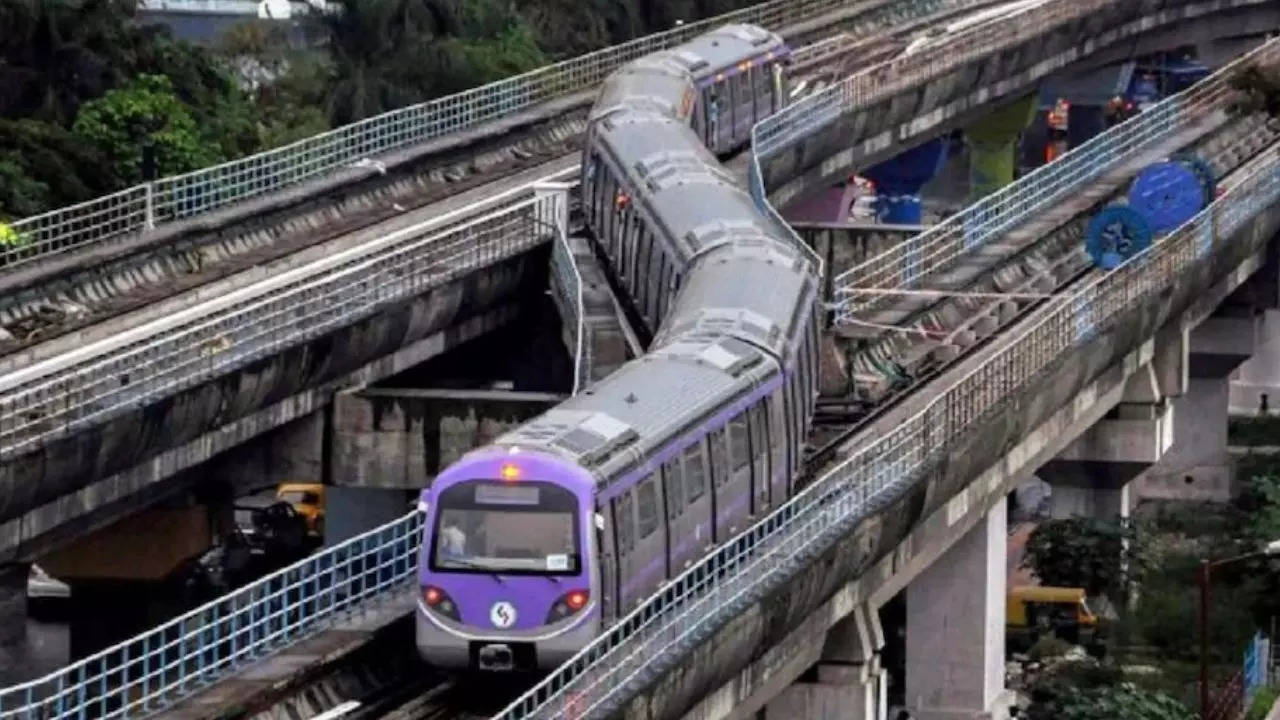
{"points": [[497, 656]]}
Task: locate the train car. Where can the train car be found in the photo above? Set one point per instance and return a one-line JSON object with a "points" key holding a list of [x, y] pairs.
{"points": [[566, 523], [721, 84], [654, 201], [538, 542]]}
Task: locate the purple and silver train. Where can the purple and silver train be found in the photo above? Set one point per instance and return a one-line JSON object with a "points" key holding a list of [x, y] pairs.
{"points": [[538, 542]]}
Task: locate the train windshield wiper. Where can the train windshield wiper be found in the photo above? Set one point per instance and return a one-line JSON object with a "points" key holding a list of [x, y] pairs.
{"points": [[475, 566]]}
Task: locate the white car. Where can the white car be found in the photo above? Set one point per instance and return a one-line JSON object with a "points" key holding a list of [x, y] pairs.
{"points": [[43, 586]]}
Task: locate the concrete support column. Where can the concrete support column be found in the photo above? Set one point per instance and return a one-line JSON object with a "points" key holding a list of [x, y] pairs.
{"points": [[992, 146], [1091, 476], [13, 623], [1198, 466], [955, 628], [847, 683], [349, 511], [1259, 376], [898, 182]]}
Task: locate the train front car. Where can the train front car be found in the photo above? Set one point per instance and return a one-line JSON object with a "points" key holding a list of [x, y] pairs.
{"points": [[507, 581]]}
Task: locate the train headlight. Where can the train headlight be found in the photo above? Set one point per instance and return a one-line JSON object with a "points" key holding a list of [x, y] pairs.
{"points": [[568, 604], [439, 601]]}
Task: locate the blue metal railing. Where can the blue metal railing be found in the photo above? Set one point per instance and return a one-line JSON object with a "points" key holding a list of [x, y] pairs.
{"points": [[159, 667]]}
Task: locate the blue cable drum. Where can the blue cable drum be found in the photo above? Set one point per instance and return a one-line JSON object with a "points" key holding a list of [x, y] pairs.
{"points": [[1203, 171], [1167, 194], [1116, 234]]}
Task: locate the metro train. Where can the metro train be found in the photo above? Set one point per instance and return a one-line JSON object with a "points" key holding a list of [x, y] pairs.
{"points": [[536, 543]]}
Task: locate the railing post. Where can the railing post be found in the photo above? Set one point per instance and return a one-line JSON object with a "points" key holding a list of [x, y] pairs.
{"points": [[150, 194]]}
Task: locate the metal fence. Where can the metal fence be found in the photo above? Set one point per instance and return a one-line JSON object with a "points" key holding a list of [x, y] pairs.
{"points": [[59, 397], [146, 206], [156, 669], [568, 282], [644, 643], [939, 247]]}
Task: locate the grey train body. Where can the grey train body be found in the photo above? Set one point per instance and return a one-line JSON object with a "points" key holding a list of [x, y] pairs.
{"points": [[692, 442]]}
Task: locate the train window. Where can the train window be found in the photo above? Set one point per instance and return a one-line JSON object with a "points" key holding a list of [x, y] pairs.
{"points": [[762, 78], [646, 508], [671, 474], [695, 473], [719, 457], [741, 453], [626, 539]]}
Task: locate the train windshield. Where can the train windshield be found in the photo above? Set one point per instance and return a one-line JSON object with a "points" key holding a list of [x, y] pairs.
{"points": [[526, 528]]}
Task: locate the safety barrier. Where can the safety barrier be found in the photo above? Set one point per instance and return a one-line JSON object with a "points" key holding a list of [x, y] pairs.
{"points": [[644, 643], [61, 396], [154, 670], [568, 284], [146, 206]]}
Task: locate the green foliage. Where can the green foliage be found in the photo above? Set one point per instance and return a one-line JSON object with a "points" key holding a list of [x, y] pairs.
{"points": [[1122, 701], [1261, 703], [43, 165], [1085, 553], [1252, 431], [1257, 90], [80, 64], [146, 111]]}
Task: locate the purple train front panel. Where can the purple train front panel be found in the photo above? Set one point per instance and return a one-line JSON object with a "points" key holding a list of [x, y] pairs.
{"points": [[507, 573]]}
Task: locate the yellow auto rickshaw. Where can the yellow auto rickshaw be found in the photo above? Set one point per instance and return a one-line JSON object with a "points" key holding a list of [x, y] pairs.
{"points": [[308, 500], [1033, 611]]}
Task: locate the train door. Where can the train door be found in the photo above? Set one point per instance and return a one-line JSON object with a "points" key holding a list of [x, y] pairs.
{"points": [[653, 284], [699, 503], [698, 119], [777, 439], [624, 532], [759, 433], [718, 442], [651, 528], [743, 106], [719, 117], [680, 523], [606, 560], [737, 496]]}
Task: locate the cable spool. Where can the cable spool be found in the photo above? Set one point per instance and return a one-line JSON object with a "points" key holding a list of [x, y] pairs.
{"points": [[1116, 234], [1167, 194], [1203, 171]]}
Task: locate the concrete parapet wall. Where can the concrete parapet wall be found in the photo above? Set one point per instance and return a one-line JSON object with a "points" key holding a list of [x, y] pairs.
{"points": [[883, 129], [394, 438], [1039, 421], [142, 435]]}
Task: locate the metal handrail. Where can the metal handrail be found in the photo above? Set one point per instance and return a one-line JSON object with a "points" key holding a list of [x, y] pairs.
{"points": [[148, 205], [258, 322], [718, 587], [570, 282], [154, 670]]}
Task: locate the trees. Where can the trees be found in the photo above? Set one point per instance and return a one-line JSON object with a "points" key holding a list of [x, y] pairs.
{"points": [[1121, 701], [1099, 557], [145, 112]]}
